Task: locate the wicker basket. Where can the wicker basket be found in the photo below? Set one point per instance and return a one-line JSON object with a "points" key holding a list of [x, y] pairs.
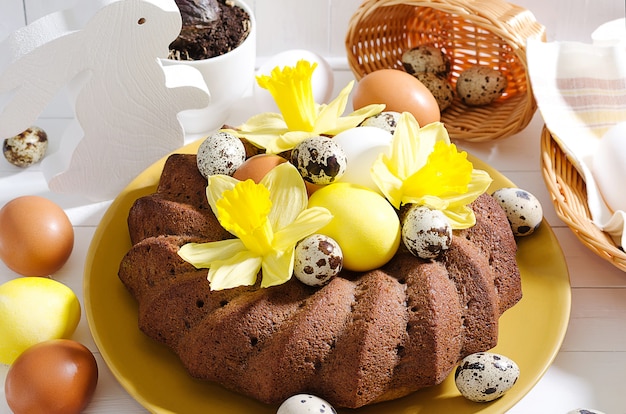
{"points": [[487, 32], [569, 196]]}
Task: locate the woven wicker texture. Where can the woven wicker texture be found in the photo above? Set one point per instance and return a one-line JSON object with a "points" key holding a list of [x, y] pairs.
{"points": [[485, 32], [569, 196]]}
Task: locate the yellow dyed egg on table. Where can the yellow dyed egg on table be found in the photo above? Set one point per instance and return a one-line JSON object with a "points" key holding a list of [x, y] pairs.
{"points": [[32, 310], [400, 92], [364, 224]]}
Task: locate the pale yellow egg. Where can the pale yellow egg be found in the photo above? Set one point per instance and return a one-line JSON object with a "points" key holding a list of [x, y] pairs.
{"points": [[364, 224], [33, 310]]}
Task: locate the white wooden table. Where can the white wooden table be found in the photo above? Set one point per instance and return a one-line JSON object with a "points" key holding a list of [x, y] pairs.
{"points": [[589, 371]]}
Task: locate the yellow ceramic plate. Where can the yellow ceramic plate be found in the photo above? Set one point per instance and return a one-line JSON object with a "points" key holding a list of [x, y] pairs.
{"points": [[530, 333]]}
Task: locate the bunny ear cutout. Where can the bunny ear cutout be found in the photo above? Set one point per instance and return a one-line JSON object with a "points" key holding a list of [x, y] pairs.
{"points": [[72, 48], [36, 62], [29, 79]]}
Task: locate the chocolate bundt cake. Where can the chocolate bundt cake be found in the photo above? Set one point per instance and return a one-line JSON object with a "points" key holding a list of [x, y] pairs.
{"points": [[362, 338]]}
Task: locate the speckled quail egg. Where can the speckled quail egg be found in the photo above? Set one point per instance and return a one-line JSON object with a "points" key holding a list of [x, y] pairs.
{"points": [[220, 153], [480, 85], [425, 232], [320, 160], [318, 259], [584, 411], [522, 209], [485, 376], [426, 58], [439, 86], [387, 120], [26, 148], [305, 403]]}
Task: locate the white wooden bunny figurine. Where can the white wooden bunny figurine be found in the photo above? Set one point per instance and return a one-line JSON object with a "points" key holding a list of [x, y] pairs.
{"points": [[126, 103]]}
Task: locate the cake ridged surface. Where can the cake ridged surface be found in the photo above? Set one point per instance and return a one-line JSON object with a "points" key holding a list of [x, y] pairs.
{"points": [[363, 338]]}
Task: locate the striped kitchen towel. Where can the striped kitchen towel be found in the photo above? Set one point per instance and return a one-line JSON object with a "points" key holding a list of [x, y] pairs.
{"points": [[580, 90]]}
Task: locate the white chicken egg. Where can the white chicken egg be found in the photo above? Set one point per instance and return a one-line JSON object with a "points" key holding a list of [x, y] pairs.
{"points": [[362, 146], [322, 80], [522, 209], [425, 232], [609, 167], [318, 258], [220, 153], [305, 403], [485, 376]]}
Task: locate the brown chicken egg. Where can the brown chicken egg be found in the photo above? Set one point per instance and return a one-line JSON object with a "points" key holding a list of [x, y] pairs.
{"points": [[58, 376], [36, 236], [257, 166], [400, 92]]}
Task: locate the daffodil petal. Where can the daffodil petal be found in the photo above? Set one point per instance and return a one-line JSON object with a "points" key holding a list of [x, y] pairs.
{"points": [[429, 201], [308, 222], [265, 122], [203, 255], [461, 217], [329, 114], [388, 183], [330, 120], [337, 106], [478, 185], [261, 129], [355, 118], [287, 194], [238, 270], [437, 131], [403, 153], [277, 268], [216, 186], [481, 180], [409, 148], [287, 141], [267, 142]]}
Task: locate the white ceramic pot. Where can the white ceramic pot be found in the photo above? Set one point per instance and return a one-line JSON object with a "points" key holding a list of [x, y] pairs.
{"points": [[610, 33], [228, 78]]}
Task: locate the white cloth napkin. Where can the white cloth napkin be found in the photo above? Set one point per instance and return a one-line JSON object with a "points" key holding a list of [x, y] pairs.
{"points": [[580, 90]]}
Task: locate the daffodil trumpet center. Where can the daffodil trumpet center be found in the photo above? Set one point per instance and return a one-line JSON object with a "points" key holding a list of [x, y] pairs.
{"points": [[300, 116], [292, 91], [424, 168], [268, 219], [447, 172], [244, 212]]}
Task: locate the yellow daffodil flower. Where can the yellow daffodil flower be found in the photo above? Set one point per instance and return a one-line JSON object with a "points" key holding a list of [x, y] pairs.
{"points": [[424, 168], [301, 117], [268, 220]]}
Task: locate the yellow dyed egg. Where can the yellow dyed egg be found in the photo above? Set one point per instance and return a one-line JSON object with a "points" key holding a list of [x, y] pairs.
{"points": [[364, 224], [33, 310]]}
